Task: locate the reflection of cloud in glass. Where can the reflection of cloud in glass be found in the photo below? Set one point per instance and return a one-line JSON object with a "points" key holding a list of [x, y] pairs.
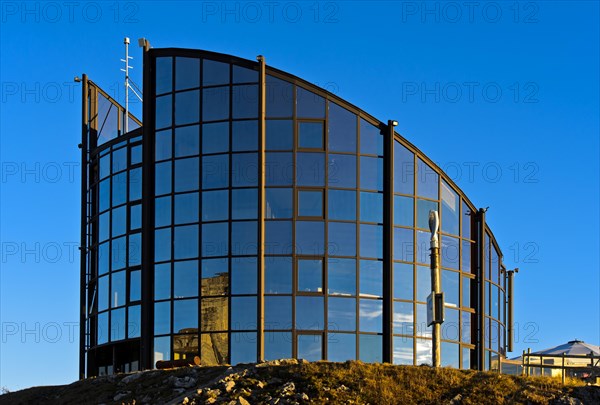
{"points": [[370, 309], [402, 318], [423, 354]]}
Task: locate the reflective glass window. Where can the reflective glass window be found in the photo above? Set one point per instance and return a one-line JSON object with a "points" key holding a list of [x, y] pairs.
{"points": [[119, 160], [163, 144], [450, 355], [427, 181], [243, 275], [215, 171], [187, 107], [450, 209], [119, 221], [423, 283], [310, 347], [279, 169], [371, 278], [403, 211], [244, 169], [104, 199], [278, 203], [423, 208], [466, 292], [185, 279], [310, 275], [186, 208], [450, 327], [465, 319], [215, 314], [342, 129], [450, 287], [215, 277], [214, 73], [164, 113], [371, 139], [214, 348], [243, 313], [342, 239], [371, 241], [403, 244], [403, 318], [371, 207], [215, 205], [244, 136], [103, 256], [134, 321], [342, 171], [104, 166], [162, 281], [466, 221], [403, 281], [278, 275], [136, 154], [310, 203], [310, 135], [162, 318], [215, 137], [278, 312], [341, 276], [404, 169], [185, 315], [310, 238], [185, 242], [244, 75], [371, 173], [135, 249], [279, 134], [466, 256], [280, 97], [421, 321], [162, 348], [103, 329], [215, 239], [342, 205], [117, 324], [103, 293], [187, 140], [187, 73], [244, 203], [135, 184], [162, 211], [278, 237], [278, 345], [309, 105], [369, 348], [245, 101], [186, 174], [403, 350], [215, 103], [119, 189], [341, 314], [104, 230], [118, 252], [450, 253], [341, 346], [309, 313], [164, 75], [135, 285], [244, 237], [135, 216], [310, 169]]}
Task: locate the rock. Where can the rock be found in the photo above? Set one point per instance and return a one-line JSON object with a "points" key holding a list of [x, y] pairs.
{"points": [[185, 401], [456, 400], [131, 378], [261, 384], [229, 385], [121, 395], [288, 389], [242, 401], [184, 382]]}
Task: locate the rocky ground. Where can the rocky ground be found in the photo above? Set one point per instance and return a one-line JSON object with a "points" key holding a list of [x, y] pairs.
{"points": [[293, 381]]}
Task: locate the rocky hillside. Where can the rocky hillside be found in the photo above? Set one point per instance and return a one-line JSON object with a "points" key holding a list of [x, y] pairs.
{"points": [[299, 382]]}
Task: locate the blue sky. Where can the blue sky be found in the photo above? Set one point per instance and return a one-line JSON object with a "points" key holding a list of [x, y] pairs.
{"points": [[502, 95]]}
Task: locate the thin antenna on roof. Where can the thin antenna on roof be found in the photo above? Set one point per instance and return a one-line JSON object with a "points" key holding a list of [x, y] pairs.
{"points": [[126, 70]]}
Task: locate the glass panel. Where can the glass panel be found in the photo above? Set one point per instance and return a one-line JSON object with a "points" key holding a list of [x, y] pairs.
{"points": [[187, 107], [162, 212], [371, 207], [278, 203], [371, 241], [466, 358], [104, 166], [135, 184], [342, 239], [423, 283], [403, 318], [278, 237], [370, 348], [278, 275], [371, 173], [119, 160], [117, 324], [215, 171], [403, 244], [403, 281], [421, 321], [215, 137], [103, 329], [465, 318], [310, 238], [162, 178], [244, 203], [466, 292], [135, 216], [371, 139], [342, 171], [163, 145], [186, 208], [423, 247], [466, 221], [185, 316], [310, 203], [162, 281], [244, 75], [185, 279], [342, 129], [342, 204], [215, 205], [403, 211], [423, 208], [185, 345], [243, 313], [118, 253], [215, 277], [214, 315], [244, 136], [310, 169], [310, 347], [427, 181], [162, 318], [309, 105], [186, 174], [341, 347], [103, 257], [450, 355], [104, 199], [162, 349], [215, 103], [466, 256], [450, 254], [187, 73], [245, 101], [244, 170], [135, 285], [310, 135], [310, 275], [278, 312], [342, 276], [215, 239], [244, 275], [135, 249], [278, 345], [164, 112], [450, 327], [214, 73], [119, 221], [403, 350], [136, 154], [103, 293], [450, 209], [309, 313], [134, 321], [279, 97], [214, 349], [404, 170], [279, 169], [371, 278], [370, 315], [341, 314], [279, 134], [119, 189], [164, 72], [244, 237], [243, 348]]}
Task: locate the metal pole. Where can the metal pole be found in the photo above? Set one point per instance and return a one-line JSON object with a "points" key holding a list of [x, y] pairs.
{"points": [[261, 206], [435, 286], [126, 118], [528, 361], [83, 242], [563, 369], [388, 247]]}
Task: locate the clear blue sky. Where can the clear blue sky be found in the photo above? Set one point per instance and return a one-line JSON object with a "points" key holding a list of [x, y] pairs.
{"points": [[503, 95]]}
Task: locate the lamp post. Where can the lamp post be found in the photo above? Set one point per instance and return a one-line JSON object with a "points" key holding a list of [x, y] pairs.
{"points": [[435, 301]]}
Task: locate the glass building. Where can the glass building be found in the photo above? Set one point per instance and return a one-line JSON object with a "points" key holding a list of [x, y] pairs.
{"points": [[256, 216]]}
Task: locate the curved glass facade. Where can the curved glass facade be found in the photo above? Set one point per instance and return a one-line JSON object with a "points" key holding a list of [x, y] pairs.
{"points": [[261, 226]]}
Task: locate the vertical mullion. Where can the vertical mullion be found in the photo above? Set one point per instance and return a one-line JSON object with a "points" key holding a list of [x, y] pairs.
{"points": [[262, 91], [388, 242]]}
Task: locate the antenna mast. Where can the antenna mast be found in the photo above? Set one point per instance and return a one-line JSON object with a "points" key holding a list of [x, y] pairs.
{"points": [[126, 70]]}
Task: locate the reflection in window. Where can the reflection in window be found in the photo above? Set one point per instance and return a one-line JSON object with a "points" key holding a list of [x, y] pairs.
{"points": [[369, 348], [371, 278], [371, 241], [278, 312], [245, 101], [403, 244], [162, 245], [244, 169], [309, 105], [162, 176], [103, 330], [187, 107], [215, 103], [162, 211], [134, 250], [215, 239], [215, 137], [403, 281], [135, 184], [310, 169], [163, 110], [185, 279], [403, 318], [466, 256], [450, 209], [244, 75], [278, 237], [243, 313], [214, 349], [310, 135], [341, 315], [118, 252], [342, 276], [215, 205], [185, 315], [119, 189], [186, 242], [427, 181], [423, 247], [404, 169], [244, 203], [310, 347], [215, 171], [135, 217], [117, 324], [421, 321], [371, 173], [135, 286], [342, 205], [215, 73], [309, 313], [162, 349], [466, 292], [423, 283], [134, 321], [310, 238], [244, 238], [403, 350], [244, 136], [371, 207], [342, 129], [186, 208], [279, 134], [243, 348], [449, 252], [341, 346], [119, 160], [103, 293], [280, 97], [370, 315], [164, 72], [371, 139], [450, 327], [279, 169], [423, 208], [214, 315], [310, 203], [119, 221], [342, 171], [162, 281], [186, 174], [423, 355], [104, 199], [103, 257], [187, 73], [466, 221], [278, 345], [243, 275], [278, 275], [215, 278], [449, 355], [310, 275], [162, 318], [342, 239], [465, 320], [278, 203], [163, 144]]}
